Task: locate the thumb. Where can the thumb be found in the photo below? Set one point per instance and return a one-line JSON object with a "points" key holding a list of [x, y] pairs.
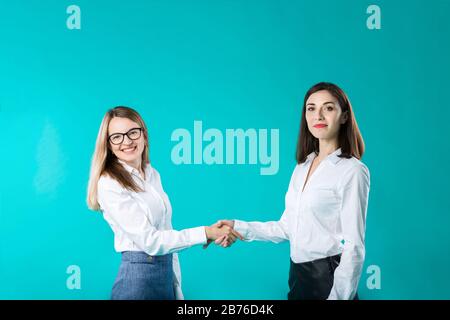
{"points": [[219, 223]]}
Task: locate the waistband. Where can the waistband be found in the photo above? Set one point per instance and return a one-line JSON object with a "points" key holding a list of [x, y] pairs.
{"points": [[335, 258], [140, 256]]}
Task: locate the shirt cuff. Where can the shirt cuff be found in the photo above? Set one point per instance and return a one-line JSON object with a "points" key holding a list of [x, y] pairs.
{"points": [[197, 235], [241, 227]]}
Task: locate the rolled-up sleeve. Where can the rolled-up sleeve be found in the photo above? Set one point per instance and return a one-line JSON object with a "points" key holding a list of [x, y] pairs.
{"points": [[274, 231], [130, 216], [355, 194]]}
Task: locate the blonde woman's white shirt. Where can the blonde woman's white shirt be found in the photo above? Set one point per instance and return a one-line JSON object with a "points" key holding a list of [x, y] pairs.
{"points": [[143, 221], [325, 219]]}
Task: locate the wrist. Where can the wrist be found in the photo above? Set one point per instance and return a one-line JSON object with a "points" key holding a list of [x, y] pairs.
{"points": [[208, 232]]}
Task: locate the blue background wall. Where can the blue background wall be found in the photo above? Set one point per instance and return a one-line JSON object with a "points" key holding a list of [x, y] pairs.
{"points": [[231, 64]]}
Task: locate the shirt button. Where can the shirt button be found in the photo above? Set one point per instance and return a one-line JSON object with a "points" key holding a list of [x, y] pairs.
{"points": [[149, 258]]}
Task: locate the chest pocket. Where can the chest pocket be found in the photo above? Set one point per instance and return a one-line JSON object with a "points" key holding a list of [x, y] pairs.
{"points": [[324, 203]]}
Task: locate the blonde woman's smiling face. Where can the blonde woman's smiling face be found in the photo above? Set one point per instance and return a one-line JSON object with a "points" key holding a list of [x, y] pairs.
{"points": [[126, 140]]}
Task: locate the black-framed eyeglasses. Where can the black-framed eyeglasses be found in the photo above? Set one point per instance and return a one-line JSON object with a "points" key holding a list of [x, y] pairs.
{"points": [[133, 134]]}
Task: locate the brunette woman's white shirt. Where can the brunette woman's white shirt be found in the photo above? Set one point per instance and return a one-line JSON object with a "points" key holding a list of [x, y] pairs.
{"points": [[143, 221], [325, 219]]}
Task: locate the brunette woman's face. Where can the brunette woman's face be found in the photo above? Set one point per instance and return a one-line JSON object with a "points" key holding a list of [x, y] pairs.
{"points": [[126, 140], [324, 115]]}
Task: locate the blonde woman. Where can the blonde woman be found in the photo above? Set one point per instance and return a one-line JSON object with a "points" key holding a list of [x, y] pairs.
{"points": [[125, 187]]}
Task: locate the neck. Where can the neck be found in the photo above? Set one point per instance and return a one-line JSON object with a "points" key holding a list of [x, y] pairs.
{"points": [[136, 164], [327, 147]]}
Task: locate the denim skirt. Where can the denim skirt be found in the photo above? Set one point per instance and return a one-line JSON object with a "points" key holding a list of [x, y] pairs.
{"points": [[144, 277]]}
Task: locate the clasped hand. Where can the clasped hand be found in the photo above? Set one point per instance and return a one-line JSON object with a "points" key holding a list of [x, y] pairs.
{"points": [[222, 233]]}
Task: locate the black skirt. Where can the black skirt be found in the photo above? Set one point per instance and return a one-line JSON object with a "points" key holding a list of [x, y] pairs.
{"points": [[313, 280]]}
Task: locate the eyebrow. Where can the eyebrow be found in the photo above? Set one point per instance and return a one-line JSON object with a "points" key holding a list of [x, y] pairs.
{"points": [[313, 104], [124, 132]]}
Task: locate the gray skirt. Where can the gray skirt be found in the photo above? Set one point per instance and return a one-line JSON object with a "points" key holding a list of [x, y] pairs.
{"points": [[144, 277]]}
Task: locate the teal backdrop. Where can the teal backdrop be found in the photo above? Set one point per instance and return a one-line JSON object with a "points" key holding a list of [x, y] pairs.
{"points": [[230, 64]]}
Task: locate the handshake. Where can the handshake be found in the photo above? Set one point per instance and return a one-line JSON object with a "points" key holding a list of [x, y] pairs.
{"points": [[222, 233]]}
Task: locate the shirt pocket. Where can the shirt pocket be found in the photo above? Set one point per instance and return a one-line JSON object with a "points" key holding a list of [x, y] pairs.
{"points": [[324, 203]]}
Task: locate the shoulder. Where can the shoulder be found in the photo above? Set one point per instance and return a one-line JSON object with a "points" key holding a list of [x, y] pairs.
{"points": [[152, 173], [105, 182], [353, 165], [110, 192], [296, 170], [354, 171]]}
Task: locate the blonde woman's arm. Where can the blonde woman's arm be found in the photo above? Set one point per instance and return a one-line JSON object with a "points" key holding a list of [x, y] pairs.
{"points": [[131, 218]]}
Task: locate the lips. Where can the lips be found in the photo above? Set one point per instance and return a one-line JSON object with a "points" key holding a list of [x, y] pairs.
{"points": [[129, 150], [320, 126]]}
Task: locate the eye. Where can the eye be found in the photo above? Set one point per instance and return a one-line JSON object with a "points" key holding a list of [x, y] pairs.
{"points": [[329, 108], [134, 134], [116, 138], [310, 108]]}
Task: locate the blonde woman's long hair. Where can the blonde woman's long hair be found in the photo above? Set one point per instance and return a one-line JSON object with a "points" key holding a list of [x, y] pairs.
{"points": [[104, 162]]}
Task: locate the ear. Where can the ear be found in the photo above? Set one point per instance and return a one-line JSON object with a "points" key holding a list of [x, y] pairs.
{"points": [[344, 117]]}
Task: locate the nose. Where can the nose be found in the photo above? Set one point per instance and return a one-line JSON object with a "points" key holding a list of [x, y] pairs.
{"points": [[319, 114], [126, 140]]}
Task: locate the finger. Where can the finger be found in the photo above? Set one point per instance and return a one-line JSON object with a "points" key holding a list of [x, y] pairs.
{"points": [[228, 223], [226, 240], [237, 234], [224, 244], [219, 223], [231, 238], [220, 239]]}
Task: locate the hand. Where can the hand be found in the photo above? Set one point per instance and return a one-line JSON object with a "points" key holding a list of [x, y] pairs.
{"points": [[224, 241], [228, 237], [219, 230]]}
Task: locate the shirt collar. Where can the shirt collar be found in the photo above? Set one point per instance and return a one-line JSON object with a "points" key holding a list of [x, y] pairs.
{"points": [[310, 157], [133, 170], [333, 157]]}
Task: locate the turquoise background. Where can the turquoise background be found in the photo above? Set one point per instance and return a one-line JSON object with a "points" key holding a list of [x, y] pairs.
{"points": [[231, 64]]}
